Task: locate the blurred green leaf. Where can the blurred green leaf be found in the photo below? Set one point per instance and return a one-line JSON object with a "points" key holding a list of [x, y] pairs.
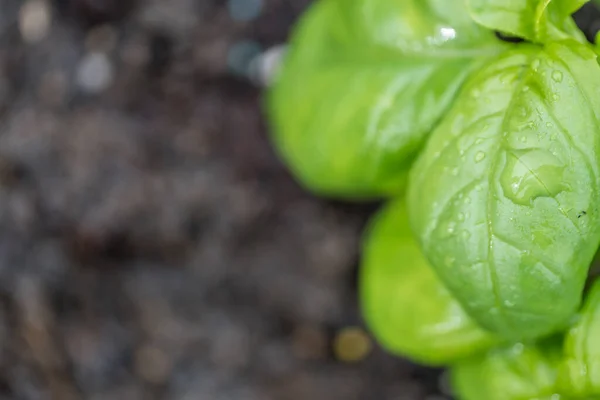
{"points": [[580, 371], [518, 372], [363, 83], [405, 305]]}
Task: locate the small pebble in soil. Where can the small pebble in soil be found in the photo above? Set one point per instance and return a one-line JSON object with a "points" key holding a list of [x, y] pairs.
{"points": [[244, 10], [263, 68], [351, 344], [94, 73], [35, 19], [240, 56]]}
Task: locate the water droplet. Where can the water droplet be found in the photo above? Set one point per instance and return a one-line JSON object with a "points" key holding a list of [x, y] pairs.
{"points": [[476, 93], [479, 156], [508, 303], [467, 200], [536, 64], [529, 174], [518, 348], [478, 141], [468, 215], [557, 76], [523, 139], [465, 234], [479, 188], [525, 89], [549, 124], [461, 217], [555, 97], [451, 227]]}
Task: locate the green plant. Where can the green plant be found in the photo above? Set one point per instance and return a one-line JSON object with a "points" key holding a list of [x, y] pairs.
{"points": [[489, 151]]}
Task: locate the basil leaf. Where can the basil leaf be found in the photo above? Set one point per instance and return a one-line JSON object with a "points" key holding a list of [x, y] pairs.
{"points": [[504, 197], [580, 371], [405, 305], [535, 20], [363, 83], [519, 372]]}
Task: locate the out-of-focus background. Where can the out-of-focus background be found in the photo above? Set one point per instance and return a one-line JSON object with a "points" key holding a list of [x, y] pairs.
{"points": [[151, 244]]}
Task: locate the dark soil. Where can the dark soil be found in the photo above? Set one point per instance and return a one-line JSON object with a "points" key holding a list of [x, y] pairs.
{"points": [[151, 244]]}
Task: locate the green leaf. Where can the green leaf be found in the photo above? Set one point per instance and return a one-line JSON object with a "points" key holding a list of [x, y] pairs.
{"points": [[520, 372], [580, 371], [534, 20], [504, 197], [405, 305], [363, 83]]}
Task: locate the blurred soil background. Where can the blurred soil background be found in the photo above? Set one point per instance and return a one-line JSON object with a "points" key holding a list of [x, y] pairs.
{"points": [[151, 244]]}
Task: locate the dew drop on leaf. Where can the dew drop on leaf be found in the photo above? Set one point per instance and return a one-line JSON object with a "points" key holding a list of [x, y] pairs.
{"points": [[529, 174], [557, 76], [479, 156], [450, 228], [518, 348]]}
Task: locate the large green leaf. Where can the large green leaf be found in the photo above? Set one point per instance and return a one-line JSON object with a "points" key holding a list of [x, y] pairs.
{"points": [[362, 85], [504, 197], [535, 20], [580, 371], [519, 372], [407, 308]]}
